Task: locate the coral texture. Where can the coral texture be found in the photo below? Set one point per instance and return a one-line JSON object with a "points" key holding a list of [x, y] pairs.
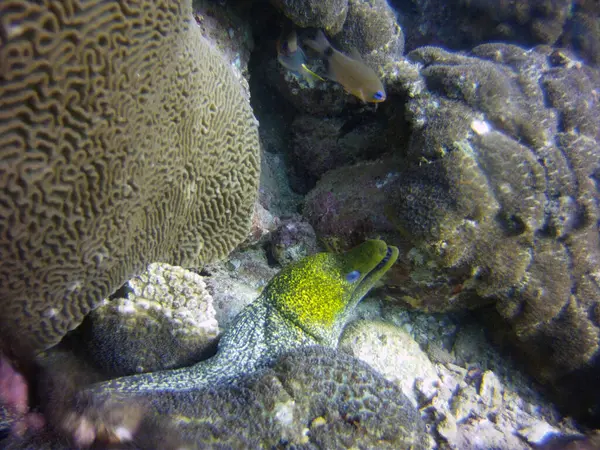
{"points": [[307, 303], [516, 217], [311, 398], [462, 24], [372, 29], [124, 139], [166, 321], [495, 199], [328, 15]]}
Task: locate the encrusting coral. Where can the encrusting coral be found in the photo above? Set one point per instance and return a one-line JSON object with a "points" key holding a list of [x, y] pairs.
{"points": [[519, 225], [328, 15], [495, 200], [125, 138]]}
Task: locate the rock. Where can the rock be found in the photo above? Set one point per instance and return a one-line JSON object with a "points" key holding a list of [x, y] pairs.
{"points": [[391, 351], [263, 224], [236, 283], [490, 389], [293, 240], [328, 15], [538, 432], [322, 144]]}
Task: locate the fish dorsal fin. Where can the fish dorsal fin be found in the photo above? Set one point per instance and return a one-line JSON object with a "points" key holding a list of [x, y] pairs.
{"points": [[354, 54]]}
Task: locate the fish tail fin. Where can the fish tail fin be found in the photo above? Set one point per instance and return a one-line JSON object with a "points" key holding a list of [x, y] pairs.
{"points": [[319, 43]]}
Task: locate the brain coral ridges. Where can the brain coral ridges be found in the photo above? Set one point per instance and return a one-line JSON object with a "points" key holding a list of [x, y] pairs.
{"points": [[124, 139]]}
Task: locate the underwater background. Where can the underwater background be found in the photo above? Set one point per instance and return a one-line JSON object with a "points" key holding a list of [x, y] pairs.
{"points": [[312, 224]]}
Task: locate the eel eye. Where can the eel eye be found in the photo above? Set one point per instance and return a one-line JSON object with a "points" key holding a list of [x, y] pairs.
{"points": [[378, 95], [351, 277]]}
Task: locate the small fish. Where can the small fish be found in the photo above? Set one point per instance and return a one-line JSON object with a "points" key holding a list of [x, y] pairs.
{"points": [[292, 57], [354, 75]]}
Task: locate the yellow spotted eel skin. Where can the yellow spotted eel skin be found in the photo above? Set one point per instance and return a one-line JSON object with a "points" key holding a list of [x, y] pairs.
{"points": [[307, 303]]}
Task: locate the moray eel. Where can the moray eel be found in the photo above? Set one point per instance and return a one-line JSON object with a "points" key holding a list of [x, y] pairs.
{"points": [[307, 303]]}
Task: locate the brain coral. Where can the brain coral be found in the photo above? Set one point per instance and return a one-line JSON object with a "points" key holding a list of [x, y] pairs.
{"points": [[124, 139]]}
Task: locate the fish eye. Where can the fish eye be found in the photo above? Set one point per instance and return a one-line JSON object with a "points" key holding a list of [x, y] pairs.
{"points": [[378, 95], [351, 277]]}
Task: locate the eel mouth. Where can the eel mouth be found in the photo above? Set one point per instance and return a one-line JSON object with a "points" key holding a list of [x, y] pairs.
{"points": [[374, 275], [380, 265], [386, 258]]}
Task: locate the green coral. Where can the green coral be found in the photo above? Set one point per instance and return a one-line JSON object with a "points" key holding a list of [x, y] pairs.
{"points": [[125, 138]]}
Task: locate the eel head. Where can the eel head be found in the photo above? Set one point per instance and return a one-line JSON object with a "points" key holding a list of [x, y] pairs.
{"points": [[318, 292]]}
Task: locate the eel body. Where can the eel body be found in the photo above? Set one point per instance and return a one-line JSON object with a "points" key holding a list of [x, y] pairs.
{"points": [[307, 303]]}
